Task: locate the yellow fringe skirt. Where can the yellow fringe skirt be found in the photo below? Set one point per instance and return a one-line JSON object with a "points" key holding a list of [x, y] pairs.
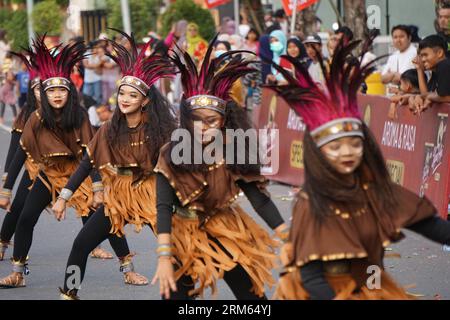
{"points": [[58, 175], [128, 203], [290, 288], [200, 258]]}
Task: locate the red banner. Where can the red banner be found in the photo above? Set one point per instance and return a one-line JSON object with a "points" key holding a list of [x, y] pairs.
{"points": [[288, 5], [215, 3], [416, 148]]}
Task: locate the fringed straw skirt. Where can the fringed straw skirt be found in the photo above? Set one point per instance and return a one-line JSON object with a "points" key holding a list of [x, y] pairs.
{"points": [[242, 241], [126, 202], [290, 288]]}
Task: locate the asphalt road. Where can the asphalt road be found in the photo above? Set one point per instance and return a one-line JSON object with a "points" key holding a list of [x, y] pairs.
{"points": [[424, 266]]}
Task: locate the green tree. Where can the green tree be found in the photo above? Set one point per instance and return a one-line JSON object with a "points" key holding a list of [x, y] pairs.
{"points": [[47, 18], [15, 24], [190, 11], [143, 15]]}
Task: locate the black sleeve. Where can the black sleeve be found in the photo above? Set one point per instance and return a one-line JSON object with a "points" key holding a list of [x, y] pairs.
{"points": [[14, 144], [82, 172], [165, 200], [14, 168], [262, 204], [443, 84], [314, 282], [434, 228], [94, 174]]}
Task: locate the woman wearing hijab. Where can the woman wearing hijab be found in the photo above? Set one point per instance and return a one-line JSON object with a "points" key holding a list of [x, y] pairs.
{"points": [[266, 55], [278, 45], [296, 49], [196, 45]]}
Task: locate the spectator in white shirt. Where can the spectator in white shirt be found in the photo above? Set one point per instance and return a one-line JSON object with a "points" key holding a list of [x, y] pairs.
{"points": [[401, 59]]}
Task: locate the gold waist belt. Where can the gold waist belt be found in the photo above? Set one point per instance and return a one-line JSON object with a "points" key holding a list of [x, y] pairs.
{"points": [[186, 213], [336, 267], [124, 172]]}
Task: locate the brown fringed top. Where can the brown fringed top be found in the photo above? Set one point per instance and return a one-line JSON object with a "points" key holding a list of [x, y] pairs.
{"points": [[42, 144], [362, 233], [208, 191], [134, 155]]}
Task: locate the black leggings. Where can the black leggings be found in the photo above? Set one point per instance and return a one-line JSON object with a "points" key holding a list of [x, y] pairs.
{"points": [[95, 231], [237, 279], [2, 109], [37, 200], [11, 218]]}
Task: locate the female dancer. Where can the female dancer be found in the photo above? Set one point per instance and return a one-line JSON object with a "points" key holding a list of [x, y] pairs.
{"points": [[202, 233], [32, 103], [54, 139], [125, 151], [31, 170], [349, 210]]}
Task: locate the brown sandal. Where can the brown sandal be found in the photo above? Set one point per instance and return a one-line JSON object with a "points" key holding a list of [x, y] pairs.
{"points": [[99, 253], [130, 276], [14, 280], [69, 295], [135, 279]]}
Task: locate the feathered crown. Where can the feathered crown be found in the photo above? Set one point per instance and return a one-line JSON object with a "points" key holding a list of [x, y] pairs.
{"points": [[30, 63], [331, 112], [210, 88], [56, 65], [138, 70]]}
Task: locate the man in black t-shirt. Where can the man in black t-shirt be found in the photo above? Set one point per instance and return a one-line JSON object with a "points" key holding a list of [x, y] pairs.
{"points": [[432, 57]]}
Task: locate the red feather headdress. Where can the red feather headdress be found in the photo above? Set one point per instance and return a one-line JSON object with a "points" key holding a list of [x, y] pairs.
{"points": [[56, 65], [331, 113], [138, 70], [210, 88]]}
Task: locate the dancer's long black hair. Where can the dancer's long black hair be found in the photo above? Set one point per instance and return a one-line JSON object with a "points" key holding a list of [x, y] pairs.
{"points": [[159, 124], [29, 106], [72, 114]]}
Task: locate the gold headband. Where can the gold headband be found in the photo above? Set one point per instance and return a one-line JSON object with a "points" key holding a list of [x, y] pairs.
{"points": [[335, 129], [207, 102], [136, 83], [35, 82], [56, 82]]}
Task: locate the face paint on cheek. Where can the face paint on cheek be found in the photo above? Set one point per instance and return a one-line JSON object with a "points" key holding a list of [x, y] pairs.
{"points": [[359, 152], [332, 155]]}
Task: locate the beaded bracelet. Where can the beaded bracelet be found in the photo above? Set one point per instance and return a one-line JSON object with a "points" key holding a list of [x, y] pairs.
{"points": [[97, 186], [65, 194], [164, 250], [6, 193]]}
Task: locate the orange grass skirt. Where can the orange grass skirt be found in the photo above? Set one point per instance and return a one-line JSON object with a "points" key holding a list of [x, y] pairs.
{"points": [[205, 262], [290, 288], [126, 203]]}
